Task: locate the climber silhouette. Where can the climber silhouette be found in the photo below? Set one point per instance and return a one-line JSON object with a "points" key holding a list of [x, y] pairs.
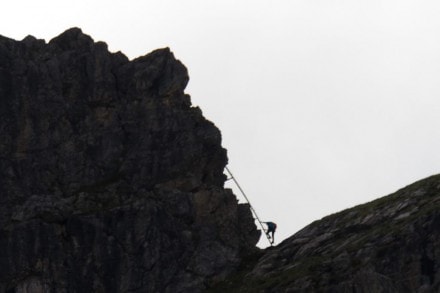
{"points": [[271, 227]]}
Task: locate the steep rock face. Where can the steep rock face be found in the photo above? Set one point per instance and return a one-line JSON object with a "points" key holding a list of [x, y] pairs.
{"points": [[388, 245], [110, 181]]}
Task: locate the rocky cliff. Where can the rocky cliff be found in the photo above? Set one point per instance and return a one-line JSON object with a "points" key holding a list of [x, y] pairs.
{"points": [[110, 181], [389, 245]]}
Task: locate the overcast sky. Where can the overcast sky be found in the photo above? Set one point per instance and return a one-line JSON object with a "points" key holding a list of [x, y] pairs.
{"points": [[322, 105]]}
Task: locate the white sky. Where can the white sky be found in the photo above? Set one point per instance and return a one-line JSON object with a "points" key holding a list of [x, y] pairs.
{"points": [[322, 104]]}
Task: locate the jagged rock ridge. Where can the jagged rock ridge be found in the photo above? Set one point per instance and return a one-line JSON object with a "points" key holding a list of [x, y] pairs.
{"points": [[389, 245], [110, 181]]}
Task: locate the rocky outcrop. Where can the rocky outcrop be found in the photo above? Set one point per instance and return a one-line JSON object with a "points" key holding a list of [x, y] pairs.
{"points": [[110, 181], [389, 245]]}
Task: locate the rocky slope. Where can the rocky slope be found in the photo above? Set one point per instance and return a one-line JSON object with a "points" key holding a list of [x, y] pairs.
{"points": [[389, 245], [110, 181]]}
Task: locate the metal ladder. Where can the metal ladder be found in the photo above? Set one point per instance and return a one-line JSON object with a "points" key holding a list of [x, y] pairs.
{"points": [[250, 205]]}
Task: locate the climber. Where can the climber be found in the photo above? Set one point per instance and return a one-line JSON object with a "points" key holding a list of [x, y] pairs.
{"points": [[271, 227]]}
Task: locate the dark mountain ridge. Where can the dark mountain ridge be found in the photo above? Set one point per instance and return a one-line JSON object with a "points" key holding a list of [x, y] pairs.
{"points": [[391, 244], [111, 181]]}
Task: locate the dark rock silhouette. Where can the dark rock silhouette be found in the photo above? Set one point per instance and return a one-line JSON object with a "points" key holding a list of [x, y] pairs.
{"points": [[389, 245], [110, 181]]}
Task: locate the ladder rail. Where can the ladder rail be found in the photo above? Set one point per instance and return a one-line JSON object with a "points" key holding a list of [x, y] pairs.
{"points": [[250, 205]]}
